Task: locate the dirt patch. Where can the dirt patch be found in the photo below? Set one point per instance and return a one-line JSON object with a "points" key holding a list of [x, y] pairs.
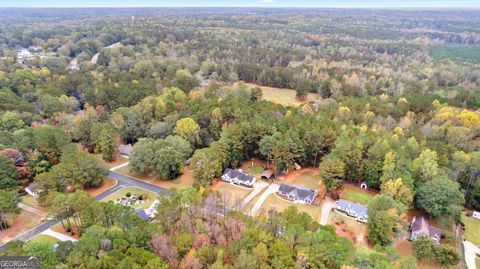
{"points": [[19, 224], [106, 184], [350, 228]]}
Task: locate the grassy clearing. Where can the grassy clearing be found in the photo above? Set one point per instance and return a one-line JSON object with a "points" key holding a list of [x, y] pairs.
{"points": [[472, 225], [356, 197], [232, 194], [278, 204], [306, 179], [41, 238], [148, 196], [255, 169], [248, 207], [286, 97]]}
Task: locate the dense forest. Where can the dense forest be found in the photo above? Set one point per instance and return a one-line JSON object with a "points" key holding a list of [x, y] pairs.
{"points": [[397, 99]]}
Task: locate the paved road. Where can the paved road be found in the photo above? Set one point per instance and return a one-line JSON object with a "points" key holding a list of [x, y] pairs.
{"points": [[122, 182]]}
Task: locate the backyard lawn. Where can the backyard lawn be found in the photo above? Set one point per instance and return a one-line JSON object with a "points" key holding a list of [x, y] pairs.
{"points": [[356, 194], [148, 196], [306, 179], [279, 204], [232, 194], [42, 238], [255, 169], [472, 233]]}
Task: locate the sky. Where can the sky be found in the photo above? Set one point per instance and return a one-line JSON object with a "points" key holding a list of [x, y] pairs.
{"points": [[241, 3]]}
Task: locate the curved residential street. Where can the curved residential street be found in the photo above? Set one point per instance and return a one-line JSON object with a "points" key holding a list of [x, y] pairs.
{"points": [[122, 182]]}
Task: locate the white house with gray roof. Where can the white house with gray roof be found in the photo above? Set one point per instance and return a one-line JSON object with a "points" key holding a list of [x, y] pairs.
{"points": [[297, 194], [238, 177], [354, 210]]}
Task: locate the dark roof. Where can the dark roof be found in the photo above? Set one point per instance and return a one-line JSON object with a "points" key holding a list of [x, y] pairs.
{"points": [[298, 191], [359, 209], [422, 225], [242, 176], [140, 212]]}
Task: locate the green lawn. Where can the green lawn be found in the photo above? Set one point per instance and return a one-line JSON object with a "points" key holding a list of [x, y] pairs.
{"points": [[148, 196], [255, 169], [472, 233], [357, 197], [41, 238], [306, 179], [232, 194]]}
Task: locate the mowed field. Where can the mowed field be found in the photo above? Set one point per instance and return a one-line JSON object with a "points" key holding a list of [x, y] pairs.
{"points": [[281, 96]]}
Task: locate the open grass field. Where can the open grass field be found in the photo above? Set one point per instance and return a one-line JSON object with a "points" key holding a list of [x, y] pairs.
{"points": [[349, 228], [306, 179], [148, 196], [41, 238], [185, 180], [356, 194], [472, 229], [232, 194], [281, 96], [19, 224], [279, 205]]}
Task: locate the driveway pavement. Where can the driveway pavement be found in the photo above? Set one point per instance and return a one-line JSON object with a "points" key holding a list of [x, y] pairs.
{"points": [[270, 190], [471, 252], [257, 188], [327, 207]]}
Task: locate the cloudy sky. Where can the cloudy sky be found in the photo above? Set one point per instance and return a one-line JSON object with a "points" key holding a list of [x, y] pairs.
{"points": [[240, 3]]}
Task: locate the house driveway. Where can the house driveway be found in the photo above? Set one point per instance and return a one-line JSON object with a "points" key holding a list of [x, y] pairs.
{"points": [[327, 206], [471, 252], [270, 190], [257, 188]]}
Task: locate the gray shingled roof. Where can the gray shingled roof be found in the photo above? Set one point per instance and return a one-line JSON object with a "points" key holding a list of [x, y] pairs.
{"points": [[240, 175], [421, 225], [359, 209], [298, 191], [141, 213]]}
